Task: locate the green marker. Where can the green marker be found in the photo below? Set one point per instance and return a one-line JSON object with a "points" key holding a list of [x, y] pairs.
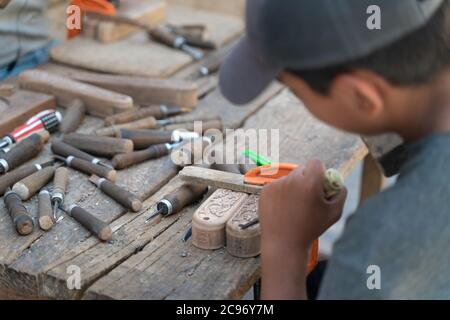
{"points": [[258, 159]]}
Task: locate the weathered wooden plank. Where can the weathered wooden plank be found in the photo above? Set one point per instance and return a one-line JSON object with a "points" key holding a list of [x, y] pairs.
{"points": [[169, 269]]}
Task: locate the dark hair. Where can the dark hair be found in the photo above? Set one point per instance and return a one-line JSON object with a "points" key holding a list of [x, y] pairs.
{"points": [[414, 59]]}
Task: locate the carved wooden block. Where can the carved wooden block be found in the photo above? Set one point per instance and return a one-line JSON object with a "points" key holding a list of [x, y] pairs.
{"points": [[208, 222], [244, 243]]}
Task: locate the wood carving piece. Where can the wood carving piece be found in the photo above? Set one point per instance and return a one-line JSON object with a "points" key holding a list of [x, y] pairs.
{"points": [[208, 222], [244, 243]]}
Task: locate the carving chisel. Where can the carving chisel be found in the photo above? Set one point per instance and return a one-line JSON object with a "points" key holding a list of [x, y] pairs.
{"points": [[159, 112], [125, 160], [9, 179], [25, 150], [60, 182], [73, 117], [145, 138], [96, 226], [63, 149], [28, 186], [175, 201], [46, 219], [100, 146], [88, 167], [119, 194], [22, 221]]}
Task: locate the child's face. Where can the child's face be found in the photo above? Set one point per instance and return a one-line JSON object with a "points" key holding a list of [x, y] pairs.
{"points": [[352, 104]]}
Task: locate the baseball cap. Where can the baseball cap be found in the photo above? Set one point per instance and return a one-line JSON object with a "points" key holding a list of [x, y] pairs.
{"points": [[312, 34]]}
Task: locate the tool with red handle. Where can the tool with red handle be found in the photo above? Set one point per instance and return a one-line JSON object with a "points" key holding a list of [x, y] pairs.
{"points": [[46, 120]]}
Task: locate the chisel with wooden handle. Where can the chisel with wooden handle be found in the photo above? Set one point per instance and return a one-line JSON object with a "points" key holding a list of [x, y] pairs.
{"points": [[99, 146], [28, 186], [9, 179], [60, 182], [119, 194], [99, 228], [73, 117], [145, 138], [23, 151], [88, 167], [152, 123], [125, 160], [157, 111], [46, 218], [165, 36], [175, 201], [196, 126], [22, 221], [145, 123], [63, 149]]}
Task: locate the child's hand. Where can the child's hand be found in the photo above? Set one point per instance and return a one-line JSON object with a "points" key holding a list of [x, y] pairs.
{"points": [[293, 210]]}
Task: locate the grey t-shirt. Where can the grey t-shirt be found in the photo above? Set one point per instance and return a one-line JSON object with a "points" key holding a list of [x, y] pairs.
{"points": [[404, 233], [23, 28]]}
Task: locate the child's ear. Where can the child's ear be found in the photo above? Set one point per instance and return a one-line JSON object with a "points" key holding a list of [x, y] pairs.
{"points": [[364, 92]]}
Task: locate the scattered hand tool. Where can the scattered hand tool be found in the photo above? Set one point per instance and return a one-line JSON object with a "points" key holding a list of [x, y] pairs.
{"points": [[174, 202], [100, 146], [145, 138], [165, 36], [196, 125], [28, 186], [160, 33], [59, 189], [125, 160], [9, 179], [73, 117], [22, 221], [88, 167], [119, 194], [152, 123], [46, 218], [194, 35], [99, 102], [158, 112], [23, 151], [49, 121], [63, 149], [96, 226], [145, 123]]}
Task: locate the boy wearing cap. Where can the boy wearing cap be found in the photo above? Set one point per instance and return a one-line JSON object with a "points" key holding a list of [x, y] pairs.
{"points": [[366, 81]]}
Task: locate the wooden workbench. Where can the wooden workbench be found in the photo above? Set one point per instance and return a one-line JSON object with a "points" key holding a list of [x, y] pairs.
{"points": [[149, 261]]}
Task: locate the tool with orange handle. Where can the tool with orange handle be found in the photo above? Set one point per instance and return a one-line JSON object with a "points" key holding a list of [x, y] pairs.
{"points": [[102, 7]]}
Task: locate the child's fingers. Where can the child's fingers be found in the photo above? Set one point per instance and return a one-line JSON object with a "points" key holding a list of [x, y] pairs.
{"points": [[337, 205], [314, 175]]}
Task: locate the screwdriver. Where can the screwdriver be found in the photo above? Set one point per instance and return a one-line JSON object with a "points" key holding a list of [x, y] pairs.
{"points": [[47, 120], [174, 202], [60, 181]]}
